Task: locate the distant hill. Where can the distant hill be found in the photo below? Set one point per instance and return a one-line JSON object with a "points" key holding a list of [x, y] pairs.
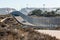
{"points": [[27, 10], [4, 11]]}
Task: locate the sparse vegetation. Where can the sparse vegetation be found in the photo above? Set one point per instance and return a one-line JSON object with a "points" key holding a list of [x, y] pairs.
{"points": [[36, 12], [40, 13]]}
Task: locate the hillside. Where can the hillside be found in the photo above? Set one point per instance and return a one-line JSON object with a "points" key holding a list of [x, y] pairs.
{"points": [[10, 29], [4, 11], [26, 11]]}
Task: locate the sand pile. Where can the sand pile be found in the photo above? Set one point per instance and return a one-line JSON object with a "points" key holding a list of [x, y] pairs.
{"points": [[10, 29]]}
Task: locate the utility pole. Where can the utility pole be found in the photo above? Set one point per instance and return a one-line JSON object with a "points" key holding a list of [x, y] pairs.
{"points": [[44, 7], [26, 5], [7, 11]]}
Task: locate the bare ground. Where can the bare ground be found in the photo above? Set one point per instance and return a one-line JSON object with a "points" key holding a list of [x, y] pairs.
{"points": [[10, 29]]}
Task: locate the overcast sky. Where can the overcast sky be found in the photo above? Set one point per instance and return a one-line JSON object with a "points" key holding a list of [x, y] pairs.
{"points": [[18, 4]]}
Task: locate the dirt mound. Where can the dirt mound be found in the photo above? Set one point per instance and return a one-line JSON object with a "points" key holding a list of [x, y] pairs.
{"points": [[23, 34], [10, 29], [9, 20]]}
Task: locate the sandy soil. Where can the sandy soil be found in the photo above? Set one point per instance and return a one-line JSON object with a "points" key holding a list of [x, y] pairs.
{"points": [[55, 33]]}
